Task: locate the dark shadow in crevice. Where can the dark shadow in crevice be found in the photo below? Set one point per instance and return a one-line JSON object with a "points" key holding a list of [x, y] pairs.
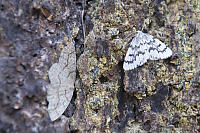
{"points": [[103, 79], [128, 104]]}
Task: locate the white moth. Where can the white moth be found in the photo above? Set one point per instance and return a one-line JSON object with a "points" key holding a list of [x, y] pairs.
{"points": [[145, 47], [62, 77]]}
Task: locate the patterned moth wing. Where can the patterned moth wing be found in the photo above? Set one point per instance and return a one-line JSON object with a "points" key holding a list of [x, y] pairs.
{"points": [[62, 77], [142, 48]]}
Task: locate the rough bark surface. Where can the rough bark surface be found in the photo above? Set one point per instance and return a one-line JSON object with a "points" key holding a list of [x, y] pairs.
{"points": [[160, 96]]}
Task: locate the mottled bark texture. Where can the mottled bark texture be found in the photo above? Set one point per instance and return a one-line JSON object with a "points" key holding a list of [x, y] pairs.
{"points": [[159, 96]]}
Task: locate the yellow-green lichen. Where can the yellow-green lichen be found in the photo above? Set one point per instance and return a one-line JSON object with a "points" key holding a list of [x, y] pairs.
{"points": [[176, 23]]}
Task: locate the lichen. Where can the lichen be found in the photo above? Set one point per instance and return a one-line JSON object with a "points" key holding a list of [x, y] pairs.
{"points": [[165, 97]]}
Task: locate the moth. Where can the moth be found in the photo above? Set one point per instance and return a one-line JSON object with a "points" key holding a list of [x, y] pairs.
{"points": [[144, 47], [62, 76]]}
